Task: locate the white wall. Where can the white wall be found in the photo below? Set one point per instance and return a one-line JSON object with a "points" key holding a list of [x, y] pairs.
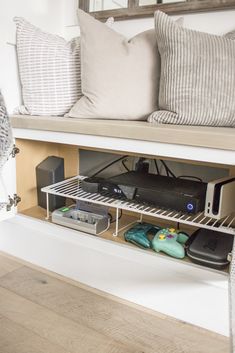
{"points": [[218, 22], [46, 14], [211, 22], [59, 16]]}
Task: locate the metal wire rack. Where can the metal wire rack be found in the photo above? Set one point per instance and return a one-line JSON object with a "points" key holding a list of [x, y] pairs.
{"points": [[71, 188]]}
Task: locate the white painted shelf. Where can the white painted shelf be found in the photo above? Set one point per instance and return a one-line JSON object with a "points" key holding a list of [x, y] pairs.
{"points": [[71, 188]]}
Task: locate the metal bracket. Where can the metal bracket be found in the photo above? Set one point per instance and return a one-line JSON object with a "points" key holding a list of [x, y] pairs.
{"points": [[13, 202], [15, 151], [118, 229]]}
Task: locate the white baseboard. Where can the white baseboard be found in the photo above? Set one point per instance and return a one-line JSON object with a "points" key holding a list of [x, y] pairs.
{"points": [[180, 290]]}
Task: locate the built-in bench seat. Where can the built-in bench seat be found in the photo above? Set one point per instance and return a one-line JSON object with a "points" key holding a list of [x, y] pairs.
{"points": [[200, 136]]}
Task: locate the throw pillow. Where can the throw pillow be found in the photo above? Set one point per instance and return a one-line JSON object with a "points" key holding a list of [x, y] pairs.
{"points": [[120, 77], [49, 70], [197, 76]]}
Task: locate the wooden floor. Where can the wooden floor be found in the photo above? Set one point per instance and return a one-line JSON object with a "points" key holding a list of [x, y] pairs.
{"points": [[43, 313]]}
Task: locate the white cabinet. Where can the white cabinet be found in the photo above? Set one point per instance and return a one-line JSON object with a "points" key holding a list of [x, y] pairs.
{"points": [[177, 288], [8, 188]]}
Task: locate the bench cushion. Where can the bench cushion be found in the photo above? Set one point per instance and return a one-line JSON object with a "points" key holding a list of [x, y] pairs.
{"points": [[199, 136]]}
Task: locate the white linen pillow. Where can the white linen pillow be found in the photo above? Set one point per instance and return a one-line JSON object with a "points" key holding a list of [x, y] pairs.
{"points": [[49, 69], [197, 76], [120, 77]]}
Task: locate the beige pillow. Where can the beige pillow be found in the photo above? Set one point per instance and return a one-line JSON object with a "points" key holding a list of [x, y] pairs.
{"points": [[119, 77]]}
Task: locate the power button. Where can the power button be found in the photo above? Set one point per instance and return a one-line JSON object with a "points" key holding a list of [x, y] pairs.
{"points": [[190, 207]]}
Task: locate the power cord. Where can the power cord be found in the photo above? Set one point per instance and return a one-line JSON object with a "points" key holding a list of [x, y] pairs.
{"points": [[109, 165], [170, 173], [114, 220], [124, 165], [156, 166], [167, 169]]}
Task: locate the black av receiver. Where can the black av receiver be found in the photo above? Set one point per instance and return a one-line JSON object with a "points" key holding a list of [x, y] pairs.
{"points": [[161, 191]]}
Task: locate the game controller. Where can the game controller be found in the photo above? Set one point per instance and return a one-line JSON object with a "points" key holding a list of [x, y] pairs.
{"points": [[139, 234], [170, 241]]}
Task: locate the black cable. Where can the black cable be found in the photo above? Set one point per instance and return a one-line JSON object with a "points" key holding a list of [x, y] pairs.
{"points": [[156, 166], [114, 220], [109, 165], [167, 169], [124, 165], [190, 177]]}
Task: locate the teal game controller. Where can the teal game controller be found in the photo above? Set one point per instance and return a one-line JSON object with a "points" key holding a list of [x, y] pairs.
{"points": [[140, 234], [170, 241]]}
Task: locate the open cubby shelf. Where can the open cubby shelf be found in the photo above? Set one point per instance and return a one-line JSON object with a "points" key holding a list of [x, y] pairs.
{"points": [[40, 214], [71, 188]]}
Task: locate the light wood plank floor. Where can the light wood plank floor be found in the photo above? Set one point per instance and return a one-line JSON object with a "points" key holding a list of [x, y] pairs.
{"points": [[43, 313]]}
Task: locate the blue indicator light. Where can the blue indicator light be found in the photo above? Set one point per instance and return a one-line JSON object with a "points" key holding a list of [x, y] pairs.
{"points": [[190, 207]]}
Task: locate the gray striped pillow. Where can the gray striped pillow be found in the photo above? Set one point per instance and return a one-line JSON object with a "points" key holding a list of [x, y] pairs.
{"points": [[49, 70], [197, 82]]}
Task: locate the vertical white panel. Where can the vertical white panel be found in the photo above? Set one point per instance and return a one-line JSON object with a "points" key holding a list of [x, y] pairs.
{"points": [[8, 187]]}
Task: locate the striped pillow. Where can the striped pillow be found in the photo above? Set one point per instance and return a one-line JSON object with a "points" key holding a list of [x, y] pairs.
{"points": [[197, 82], [49, 70]]}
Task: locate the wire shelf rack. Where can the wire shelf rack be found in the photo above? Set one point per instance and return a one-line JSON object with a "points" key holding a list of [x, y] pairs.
{"points": [[71, 188]]}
